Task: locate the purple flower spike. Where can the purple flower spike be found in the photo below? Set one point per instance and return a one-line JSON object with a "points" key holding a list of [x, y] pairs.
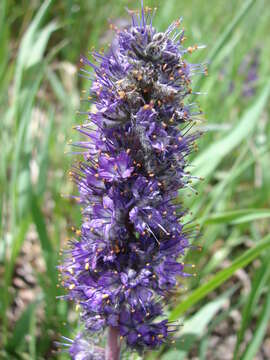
{"points": [[137, 140]]}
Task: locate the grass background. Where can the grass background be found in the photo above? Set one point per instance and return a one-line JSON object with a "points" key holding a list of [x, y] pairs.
{"points": [[40, 45]]}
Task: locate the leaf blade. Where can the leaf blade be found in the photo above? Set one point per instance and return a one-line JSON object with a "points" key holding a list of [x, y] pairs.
{"points": [[221, 148], [220, 278]]}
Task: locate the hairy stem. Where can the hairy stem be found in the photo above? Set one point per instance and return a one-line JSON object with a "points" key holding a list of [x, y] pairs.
{"points": [[113, 344]]}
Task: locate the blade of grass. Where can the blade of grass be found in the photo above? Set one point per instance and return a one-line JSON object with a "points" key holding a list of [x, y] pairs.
{"points": [[238, 216], [195, 326], [220, 190], [26, 45], [222, 40], [229, 30], [260, 278], [198, 322], [41, 40], [209, 159], [261, 329], [48, 252], [33, 337], [44, 156], [223, 275], [38, 220], [22, 328], [19, 145], [4, 36], [9, 267]]}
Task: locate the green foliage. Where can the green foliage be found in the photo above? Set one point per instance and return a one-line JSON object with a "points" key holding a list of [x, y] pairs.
{"points": [[40, 44], [220, 277]]}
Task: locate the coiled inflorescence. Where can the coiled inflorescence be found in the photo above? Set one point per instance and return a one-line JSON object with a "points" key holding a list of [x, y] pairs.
{"points": [[137, 141]]}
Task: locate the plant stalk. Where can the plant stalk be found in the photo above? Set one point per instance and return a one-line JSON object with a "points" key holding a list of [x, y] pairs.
{"points": [[113, 344]]}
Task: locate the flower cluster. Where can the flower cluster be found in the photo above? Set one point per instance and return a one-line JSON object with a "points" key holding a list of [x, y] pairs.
{"points": [[136, 145]]}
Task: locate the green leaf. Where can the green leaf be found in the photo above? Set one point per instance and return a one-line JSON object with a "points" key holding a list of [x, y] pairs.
{"points": [[22, 328], [44, 156], [224, 37], [209, 159], [58, 87], [39, 46], [173, 354], [260, 277], [197, 324], [220, 190], [27, 44], [261, 329], [220, 278], [39, 221], [238, 216], [16, 245], [5, 296], [230, 29], [21, 159], [4, 41], [48, 252]]}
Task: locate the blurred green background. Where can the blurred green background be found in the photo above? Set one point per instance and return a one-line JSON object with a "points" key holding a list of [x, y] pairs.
{"points": [[224, 311]]}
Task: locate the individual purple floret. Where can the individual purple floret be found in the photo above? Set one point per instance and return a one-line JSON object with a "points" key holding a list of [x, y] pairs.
{"points": [[83, 349], [249, 86], [137, 140]]}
